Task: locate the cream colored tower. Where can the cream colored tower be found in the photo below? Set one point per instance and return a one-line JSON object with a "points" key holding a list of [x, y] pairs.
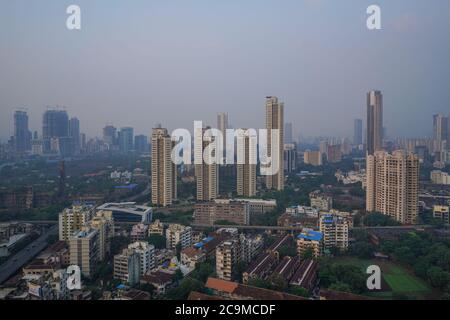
{"points": [[164, 171], [393, 185], [207, 174], [275, 120], [246, 170]]}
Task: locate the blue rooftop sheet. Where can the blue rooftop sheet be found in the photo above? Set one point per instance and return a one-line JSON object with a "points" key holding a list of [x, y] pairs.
{"points": [[311, 235]]}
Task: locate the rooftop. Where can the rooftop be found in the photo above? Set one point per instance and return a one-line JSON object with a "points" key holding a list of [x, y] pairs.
{"points": [[311, 235]]}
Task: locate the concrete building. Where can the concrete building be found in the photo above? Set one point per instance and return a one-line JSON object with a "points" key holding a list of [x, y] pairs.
{"points": [[275, 121], [393, 185], [228, 254], [164, 171], [208, 213], [246, 167], [334, 153], [313, 158], [177, 233], [335, 231], [206, 172], [259, 206], [358, 132], [103, 221], [310, 241], [440, 132], [222, 125], [128, 212], [84, 250], [439, 177], [156, 229], [139, 232], [441, 213], [127, 266], [73, 219], [22, 134], [126, 139], [321, 201], [146, 254], [290, 158], [374, 134]]}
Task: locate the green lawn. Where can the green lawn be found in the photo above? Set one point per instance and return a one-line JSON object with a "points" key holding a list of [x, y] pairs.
{"points": [[397, 280]]}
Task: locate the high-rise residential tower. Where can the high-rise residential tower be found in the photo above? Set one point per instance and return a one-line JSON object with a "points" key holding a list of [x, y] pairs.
{"points": [[374, 122], [288, 133], [164, 171], [393, 185], [222, 125], [246, 167], [22, 134], [440, 131], [358, 132], [206, 172], [55, 124], [126, 139], [275, 121], [74, 134]]}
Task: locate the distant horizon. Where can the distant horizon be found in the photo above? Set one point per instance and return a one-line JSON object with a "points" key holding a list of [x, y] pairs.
{"points": [[172, 62]]}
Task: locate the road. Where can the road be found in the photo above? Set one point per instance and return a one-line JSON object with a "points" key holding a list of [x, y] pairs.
{"points": [[17, 261]]}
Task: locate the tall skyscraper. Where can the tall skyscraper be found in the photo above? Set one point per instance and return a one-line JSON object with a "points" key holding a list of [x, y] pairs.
{"points": [[164, 171], [374, 122], [393, 185], [206, 174], [126, 139], [110, 135], [290, 157], [246, 171], [55, 125], [222, 125], [74, 134], [275, 120], [141, 144], [22, 134], [288, 133], [358, 132], [440, 131]]}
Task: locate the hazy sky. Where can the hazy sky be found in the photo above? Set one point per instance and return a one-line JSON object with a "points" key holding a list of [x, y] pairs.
{"points": [[141, 62]]}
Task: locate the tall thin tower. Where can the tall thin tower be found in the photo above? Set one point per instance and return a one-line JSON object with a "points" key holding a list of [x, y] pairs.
{"points": [[275, 120], [374, 122], [164, 171]]}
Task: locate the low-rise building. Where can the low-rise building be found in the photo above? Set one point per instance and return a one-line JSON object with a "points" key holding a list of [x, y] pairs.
{"points": [[139, 232], [320, 200], [335, 231], [309, 241], [127, 266], [208, 213], [442, 213], [84, 250], [156, 228], [228, 255], [177, 233], [146, 254]]}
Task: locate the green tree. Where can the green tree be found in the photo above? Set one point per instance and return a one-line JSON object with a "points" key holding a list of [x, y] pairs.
{"points": [[158, 241]]}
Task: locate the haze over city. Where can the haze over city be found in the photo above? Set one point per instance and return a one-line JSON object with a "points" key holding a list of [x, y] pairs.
{"points": [[172, 62]]}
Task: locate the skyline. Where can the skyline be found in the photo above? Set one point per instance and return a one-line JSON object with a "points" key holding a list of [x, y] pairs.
{"points": [[227, 67]]}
